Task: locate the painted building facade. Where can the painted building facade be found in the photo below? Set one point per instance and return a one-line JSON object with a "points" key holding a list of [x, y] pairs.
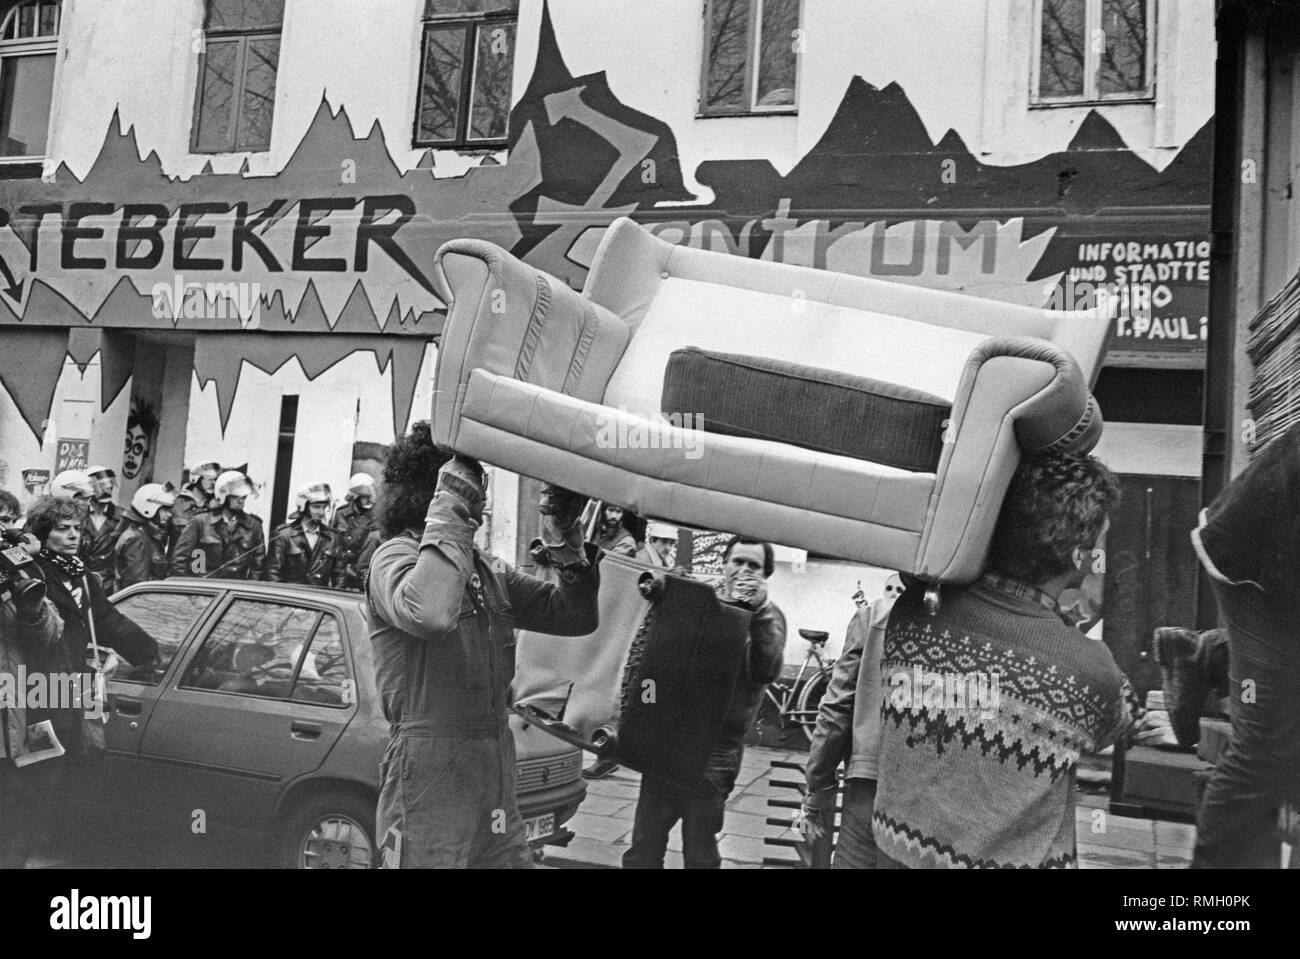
{"points": [[223, 248]]}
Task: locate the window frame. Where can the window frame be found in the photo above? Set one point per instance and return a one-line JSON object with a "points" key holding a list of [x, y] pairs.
{"points": [[186, 644], [473, 23], [1092, 94], [34, 46], [752, 57], [322, 612], [243, 39]]}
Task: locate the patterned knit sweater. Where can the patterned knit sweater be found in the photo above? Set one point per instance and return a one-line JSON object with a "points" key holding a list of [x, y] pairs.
{"points": [[986, 708]]}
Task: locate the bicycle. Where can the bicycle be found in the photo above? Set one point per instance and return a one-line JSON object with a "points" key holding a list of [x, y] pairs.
{"points": [[797, 701]]}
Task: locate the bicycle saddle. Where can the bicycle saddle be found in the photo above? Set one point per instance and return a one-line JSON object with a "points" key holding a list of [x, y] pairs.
{"points": [[817, 637]]}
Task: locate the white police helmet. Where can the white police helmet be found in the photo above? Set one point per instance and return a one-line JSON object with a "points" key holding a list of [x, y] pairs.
{"points": [[150, 498]]}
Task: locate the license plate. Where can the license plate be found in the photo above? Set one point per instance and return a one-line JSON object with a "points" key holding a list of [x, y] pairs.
{"points": [[539, 827]]}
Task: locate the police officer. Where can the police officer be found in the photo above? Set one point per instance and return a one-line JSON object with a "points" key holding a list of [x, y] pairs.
{"points": [[197, 496], [353, 524], [100, 530], [141, 550], [227, 542], [305, 550]]}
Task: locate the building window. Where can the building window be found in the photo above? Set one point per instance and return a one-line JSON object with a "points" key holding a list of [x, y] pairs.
{"points": [[466, 64], [751, 53], [235, 101], [29, 35], [1091, 51]]}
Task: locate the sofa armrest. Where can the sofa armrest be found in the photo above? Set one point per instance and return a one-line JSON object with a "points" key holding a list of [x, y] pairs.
{"points": [[1018, 395], [513, 320]]}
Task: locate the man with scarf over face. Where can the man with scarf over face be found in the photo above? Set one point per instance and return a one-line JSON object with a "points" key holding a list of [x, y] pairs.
{"points": [[442, 617]]}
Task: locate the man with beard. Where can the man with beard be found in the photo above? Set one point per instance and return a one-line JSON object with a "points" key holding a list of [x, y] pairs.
{"points": [[227, 542], [442, 617], [304, 551], [352, 526], [611, 535], [141, 550]]}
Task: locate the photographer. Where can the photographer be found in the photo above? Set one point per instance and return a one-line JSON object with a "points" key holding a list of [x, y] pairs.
{"points": [[442, 616], [29, 624], [89, 619]]}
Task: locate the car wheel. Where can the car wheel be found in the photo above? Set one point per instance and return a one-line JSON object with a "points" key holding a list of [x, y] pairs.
{"points": [[333, 830]]}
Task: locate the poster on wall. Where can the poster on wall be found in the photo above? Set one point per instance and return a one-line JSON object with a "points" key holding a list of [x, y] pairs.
{"points": [[72, 455]]}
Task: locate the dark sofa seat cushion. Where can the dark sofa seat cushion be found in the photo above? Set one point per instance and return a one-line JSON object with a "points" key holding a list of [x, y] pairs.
{"points": [[804, 406]]}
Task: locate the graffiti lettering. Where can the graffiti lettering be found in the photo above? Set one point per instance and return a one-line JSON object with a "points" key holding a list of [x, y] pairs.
{"points": [[140, 238]]}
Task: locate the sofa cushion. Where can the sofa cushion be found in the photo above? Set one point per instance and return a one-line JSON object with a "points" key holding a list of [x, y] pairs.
{"points": [[794, 328], [807, 407]]}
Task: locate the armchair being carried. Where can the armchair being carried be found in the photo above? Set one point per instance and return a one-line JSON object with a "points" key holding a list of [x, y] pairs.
{"points": [[869, 420]]}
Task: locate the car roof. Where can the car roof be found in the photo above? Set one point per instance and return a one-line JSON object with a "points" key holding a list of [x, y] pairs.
{"points": [[257, 588]]}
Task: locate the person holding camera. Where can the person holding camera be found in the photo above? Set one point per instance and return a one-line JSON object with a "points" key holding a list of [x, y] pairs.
{"points": [[29, 625], [90, 621], [442, 617]]}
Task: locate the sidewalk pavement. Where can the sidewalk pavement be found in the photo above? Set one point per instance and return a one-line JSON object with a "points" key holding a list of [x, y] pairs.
{"points": [[603, 825]]}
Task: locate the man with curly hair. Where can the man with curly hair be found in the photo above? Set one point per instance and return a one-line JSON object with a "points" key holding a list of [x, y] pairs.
{"points": [[442, 617], [987, 704]]}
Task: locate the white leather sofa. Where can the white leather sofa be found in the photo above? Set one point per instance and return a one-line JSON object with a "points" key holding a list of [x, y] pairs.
{"points": [[535, 377]]}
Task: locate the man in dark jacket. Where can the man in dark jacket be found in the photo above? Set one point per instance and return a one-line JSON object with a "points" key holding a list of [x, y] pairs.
{"points": [[229, 542], [141, 551], [1248, 541], [748, 564], [101, 526], [442, 618], [305, 551], [352, 525], [195, 498]]}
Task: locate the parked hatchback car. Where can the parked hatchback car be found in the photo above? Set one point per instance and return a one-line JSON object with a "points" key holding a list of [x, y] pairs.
{"points": [[262, 719]]}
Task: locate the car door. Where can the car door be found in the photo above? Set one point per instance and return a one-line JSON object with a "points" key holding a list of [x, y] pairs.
{"points": [[172, 618], [259, 701]]}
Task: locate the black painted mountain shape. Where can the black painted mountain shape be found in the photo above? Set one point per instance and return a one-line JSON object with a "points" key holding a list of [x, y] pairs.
{"points": [[583, 131], [875, 161]]}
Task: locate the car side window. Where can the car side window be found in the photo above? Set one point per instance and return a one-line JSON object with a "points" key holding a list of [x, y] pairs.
{"points": [[253, 649], [166, 616], [323, 676]]}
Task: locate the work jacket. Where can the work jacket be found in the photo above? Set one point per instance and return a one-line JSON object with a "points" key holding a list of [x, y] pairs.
{"points": [[212, 547], [443, 615], [292, 559]]}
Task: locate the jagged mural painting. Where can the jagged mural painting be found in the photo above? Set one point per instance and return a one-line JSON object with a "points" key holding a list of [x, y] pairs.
{"points": [[339, 243]]}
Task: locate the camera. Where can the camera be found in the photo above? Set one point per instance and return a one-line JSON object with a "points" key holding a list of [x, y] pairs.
{"points": [[16, 582]]}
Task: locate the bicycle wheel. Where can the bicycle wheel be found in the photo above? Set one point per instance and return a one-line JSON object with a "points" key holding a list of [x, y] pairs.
{"points": [[809, 700]]}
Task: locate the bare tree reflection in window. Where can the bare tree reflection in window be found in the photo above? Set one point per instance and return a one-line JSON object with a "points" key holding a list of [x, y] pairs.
{"points": [[1063, 57], [216, 108], [490, 111], [444, 50], [1123, 62], [258, 108], [727, 55], [777, 59]]}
